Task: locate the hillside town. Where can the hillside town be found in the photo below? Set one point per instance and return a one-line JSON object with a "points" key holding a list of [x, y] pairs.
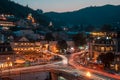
{"points": [[32, 48]]}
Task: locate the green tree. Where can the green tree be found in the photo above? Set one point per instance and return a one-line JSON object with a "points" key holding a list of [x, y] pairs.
{"points": [[79, 39], [62, 45], [109, 58], [49, 37], [106, 59], [106, 27], [90, 28]]}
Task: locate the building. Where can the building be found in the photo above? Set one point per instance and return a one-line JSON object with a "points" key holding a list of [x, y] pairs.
{"points": [[102, 42], [5, 23], [30, 18], [6, 49], [24, 45]]}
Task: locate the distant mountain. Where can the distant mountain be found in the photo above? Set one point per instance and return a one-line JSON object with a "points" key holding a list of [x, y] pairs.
{"points": [[97, 16], [10, 7]]}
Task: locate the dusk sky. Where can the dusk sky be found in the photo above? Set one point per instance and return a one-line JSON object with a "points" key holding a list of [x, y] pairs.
{"points": [[64, 5]]}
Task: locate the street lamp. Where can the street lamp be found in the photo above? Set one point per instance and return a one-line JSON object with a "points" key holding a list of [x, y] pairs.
{"points": [[88, 74], [8, 58], [9, 64]]}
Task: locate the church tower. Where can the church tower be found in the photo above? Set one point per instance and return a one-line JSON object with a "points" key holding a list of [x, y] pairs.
{"points": [[30, 17]]}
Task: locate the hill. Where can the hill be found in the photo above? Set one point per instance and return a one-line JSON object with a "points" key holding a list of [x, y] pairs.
{"points": [[10, 7], [97, 16]]}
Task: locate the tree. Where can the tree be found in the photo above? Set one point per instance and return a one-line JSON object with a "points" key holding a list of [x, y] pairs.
{"points": [[49, 37], [39, 11], [106, 58], [106, 27], [79, 39], [62, 45], [109, 58], [102, 57], [90, 28]]}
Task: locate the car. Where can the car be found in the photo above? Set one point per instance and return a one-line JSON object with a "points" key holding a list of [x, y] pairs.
{"points": [[75, 74]]}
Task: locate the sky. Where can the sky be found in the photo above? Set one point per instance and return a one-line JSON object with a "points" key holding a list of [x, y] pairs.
{"points": [[64, 5]]}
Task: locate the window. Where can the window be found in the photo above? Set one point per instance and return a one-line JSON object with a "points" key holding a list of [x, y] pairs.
{"points": [[102, 49], [6, 49], [21, 43], [16, 43], [107, 48]]}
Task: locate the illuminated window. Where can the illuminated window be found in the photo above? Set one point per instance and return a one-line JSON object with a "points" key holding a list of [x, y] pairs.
{"points": [[32, 44], [32, 48], [6, 49], [111, 48], [16, 43], [28, 48], [21, 43], [110, 38], [25, 49], [98, 37], [107, 48], [15, 48], [102, 49]]}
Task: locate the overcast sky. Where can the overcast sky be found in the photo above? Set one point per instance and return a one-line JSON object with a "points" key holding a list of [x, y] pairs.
{"points": [[64, 5]]}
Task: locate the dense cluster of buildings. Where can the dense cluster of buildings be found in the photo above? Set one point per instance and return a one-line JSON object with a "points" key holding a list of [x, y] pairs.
{"points": [[27, 41], [103, 43]]}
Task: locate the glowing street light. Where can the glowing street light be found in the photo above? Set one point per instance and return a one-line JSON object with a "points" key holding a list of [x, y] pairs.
{"points": [[72, 48], [88, 74], [65, 62], [8, 58]]}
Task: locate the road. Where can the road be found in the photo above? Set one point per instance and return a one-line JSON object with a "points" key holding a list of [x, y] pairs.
{"points": [[95, 73], [78, 71], [64, 59], [59, 66]]}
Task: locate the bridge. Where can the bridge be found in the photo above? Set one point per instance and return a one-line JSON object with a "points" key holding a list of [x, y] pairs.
{"points": [[55, 71]]}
